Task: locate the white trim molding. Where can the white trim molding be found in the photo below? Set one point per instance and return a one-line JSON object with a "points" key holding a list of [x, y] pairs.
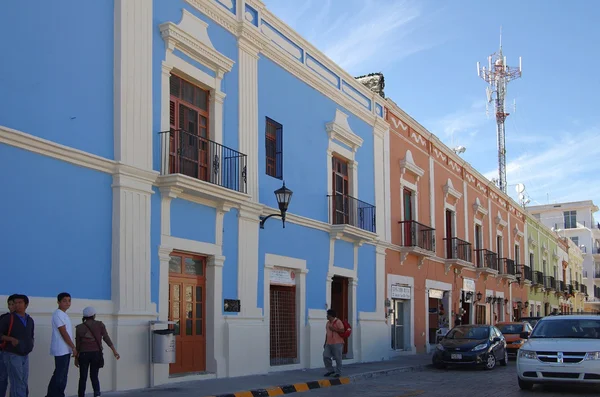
{"points": [[517, 233], [340, 130], [408, 164], [449, 190], [501, 223], [479, 209]]}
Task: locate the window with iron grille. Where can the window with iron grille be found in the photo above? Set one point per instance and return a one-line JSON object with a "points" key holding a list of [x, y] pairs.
{"points": [[274, 149]]}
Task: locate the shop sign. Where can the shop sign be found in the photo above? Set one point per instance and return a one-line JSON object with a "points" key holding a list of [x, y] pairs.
{"points": [[469, 284], [436, 293], [400, 292], [283, 277]]}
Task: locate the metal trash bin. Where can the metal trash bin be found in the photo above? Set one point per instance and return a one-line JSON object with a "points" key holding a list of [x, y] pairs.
{"points": [[163, 346]]}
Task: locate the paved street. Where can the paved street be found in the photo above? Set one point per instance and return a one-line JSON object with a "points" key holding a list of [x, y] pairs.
{"points": [[502, 381]]}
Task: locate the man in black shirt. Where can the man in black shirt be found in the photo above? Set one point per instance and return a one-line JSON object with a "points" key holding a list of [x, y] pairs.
{"points": [[17, 329], [3, 371]]}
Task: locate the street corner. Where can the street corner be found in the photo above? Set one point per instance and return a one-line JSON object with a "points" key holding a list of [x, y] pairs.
{"points": [[288, 389]]}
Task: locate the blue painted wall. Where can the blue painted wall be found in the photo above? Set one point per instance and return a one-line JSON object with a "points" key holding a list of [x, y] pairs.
{"points": [[154, 244], [367, 281], [344, 254], [56, 229], [223, 41], [58, 84], [303, 112], [298, 242], [230, 250], [193, 221]]}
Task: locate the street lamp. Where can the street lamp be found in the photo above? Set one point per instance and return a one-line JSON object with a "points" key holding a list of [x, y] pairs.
{"points": [[479, 296], [283, 196]]}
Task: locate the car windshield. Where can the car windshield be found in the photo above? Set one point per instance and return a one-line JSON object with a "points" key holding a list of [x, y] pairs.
{"points": [[567, 328], [462, 332], [510, 328]]}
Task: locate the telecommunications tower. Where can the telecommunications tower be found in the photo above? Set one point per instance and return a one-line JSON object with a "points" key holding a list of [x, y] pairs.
{"points": [[498, 74]]}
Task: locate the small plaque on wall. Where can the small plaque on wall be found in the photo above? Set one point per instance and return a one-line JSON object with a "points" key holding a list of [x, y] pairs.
{"points": [[231, 305]]}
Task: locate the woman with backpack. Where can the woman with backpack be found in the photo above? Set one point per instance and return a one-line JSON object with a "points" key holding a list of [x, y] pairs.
{"points": [[88, 342]]}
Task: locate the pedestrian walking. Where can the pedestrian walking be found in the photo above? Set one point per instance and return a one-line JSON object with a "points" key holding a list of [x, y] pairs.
{"points": [[17, 330], [88, 339], [61, 346], [334, 344], [3, 371]]}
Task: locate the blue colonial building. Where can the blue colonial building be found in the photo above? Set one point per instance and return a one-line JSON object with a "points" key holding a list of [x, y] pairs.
{"points": [[142, 143]]}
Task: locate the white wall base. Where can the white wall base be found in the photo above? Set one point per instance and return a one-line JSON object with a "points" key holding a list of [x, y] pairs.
{"points": [[246, 346], [315, 329], [373, 337]]}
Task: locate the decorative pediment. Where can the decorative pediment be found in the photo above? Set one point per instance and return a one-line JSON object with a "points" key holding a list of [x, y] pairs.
{"points": [[555, 254], [479, 209], [518, 234], [544, 248], [449, 190], [501, 223], [340, 130], [532, 242], [190, 36], [407, 164]]}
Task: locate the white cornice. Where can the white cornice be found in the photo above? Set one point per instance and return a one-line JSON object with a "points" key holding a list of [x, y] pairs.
{"points": [[408, 164], [204, 190], [340, 130], [518, 234], [449, 190], [532, 242], [353, 233], [191, 37], [479, 209], [500, 222]]}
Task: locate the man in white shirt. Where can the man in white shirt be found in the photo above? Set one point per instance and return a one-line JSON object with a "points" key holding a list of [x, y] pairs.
{"points": [[61, 346]]}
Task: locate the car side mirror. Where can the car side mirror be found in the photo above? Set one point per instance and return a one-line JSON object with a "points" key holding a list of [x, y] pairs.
{"points": [[524, 335], [496, 339]]}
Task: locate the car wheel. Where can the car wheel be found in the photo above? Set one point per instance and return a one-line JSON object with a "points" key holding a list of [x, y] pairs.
{"points": [[524, 385], [490, 362], [504, 361]]}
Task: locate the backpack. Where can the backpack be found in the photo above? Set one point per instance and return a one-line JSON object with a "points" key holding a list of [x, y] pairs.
{"points": [[347, 330], [12, 320]]}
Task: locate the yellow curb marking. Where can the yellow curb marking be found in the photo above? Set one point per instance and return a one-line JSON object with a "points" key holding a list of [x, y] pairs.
{"points": [[300, 387], [275, 391], [324, 383]]}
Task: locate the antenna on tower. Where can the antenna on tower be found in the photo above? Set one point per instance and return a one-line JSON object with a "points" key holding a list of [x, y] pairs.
{"points": [[498, 74]]}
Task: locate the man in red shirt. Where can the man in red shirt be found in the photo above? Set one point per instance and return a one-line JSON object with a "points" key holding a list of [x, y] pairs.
{"points": [[334, 344]]}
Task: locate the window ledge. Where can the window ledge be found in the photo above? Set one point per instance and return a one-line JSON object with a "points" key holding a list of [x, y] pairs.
{"points": [[202, 189], [356, 234]]}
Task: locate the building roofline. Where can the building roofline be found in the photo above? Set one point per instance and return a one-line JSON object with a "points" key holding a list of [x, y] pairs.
{"points": [[567, 204]]}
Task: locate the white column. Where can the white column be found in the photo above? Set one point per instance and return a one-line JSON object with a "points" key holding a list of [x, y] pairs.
{"points": [[466, 209], [133, 132], [248, 230], [215, 359], [248, 111], [353, 314], [432, 193], [380, 280], [133, 82], [217, 113], [379, 158], [490, 217], [388, 193]]}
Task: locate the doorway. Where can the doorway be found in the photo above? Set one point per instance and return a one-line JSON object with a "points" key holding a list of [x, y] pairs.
{"points": [[339, 301], [449, 234], [283, 329], [480, 314], [187, 308], [400, 325], [466, 317]]}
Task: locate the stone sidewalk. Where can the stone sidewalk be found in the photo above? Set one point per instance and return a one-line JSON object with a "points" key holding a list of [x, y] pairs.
{"points": [[301, 379]]}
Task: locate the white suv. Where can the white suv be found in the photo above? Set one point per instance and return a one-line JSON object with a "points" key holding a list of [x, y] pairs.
{"points": [[561, 349]]}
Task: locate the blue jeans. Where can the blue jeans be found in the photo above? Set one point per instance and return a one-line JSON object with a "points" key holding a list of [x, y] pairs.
{"points": [[58, 382], [3, 376], [18, 373]]}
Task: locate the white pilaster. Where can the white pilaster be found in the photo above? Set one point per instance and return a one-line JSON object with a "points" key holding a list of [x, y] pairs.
{"points": [[490, 225], [215, 358], [432, 192], [380, 280], [248, 111], [248, 230], [379, 168], [466, 209], [133, 82], [388, 192]]}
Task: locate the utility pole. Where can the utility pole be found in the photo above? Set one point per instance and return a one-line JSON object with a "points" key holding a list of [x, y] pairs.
{"points": [[498, 74]]}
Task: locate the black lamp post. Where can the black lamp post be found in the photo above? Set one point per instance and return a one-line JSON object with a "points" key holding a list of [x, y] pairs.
{"points": [[479, 296], [283, 196]]}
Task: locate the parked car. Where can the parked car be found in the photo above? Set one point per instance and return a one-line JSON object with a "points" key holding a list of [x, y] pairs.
{"points": [[531, 320], [480, 345], [561, 349], [512, 333]]}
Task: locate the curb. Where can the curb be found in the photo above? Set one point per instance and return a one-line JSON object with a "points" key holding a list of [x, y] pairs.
{"points": [[288, 389], [320, 384]]}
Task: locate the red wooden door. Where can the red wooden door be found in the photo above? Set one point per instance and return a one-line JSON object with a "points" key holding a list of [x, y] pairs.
{"points": [[339, 301], [187, 307]]}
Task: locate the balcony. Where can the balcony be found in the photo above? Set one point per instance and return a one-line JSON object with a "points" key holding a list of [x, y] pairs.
{"points": [[550, 282], [458, 253], [507, 267], [416, 239], [583, 289], [352, 217], [561, 286], [538, 278], [486, 260], [526, 274], [570, 289], [201, 167]]}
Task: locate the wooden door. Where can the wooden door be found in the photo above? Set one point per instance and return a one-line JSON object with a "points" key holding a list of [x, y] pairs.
{"points": [[449, 235], [187, 307], [340, 190], [409, 239], [339, 301], [480, 314]]}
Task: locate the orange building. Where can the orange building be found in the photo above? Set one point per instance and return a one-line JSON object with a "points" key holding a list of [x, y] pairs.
{"points": [[457, 241]]}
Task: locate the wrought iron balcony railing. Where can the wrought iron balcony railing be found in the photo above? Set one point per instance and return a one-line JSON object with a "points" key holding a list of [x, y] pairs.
{"points": [[526, 272], [549, 282], [458, 249], [486, 259], [561, 287], [347, 210], [415, 234], [538, 278], [570, 289], [198, 157], [583, 288], [507, 266]]}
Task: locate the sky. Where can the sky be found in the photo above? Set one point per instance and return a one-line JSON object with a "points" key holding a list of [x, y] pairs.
{"points": [[428, 50]]}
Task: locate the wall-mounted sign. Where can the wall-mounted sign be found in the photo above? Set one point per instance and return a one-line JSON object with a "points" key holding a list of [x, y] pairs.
{"points": [[436, 293], [283, 277], [400, 292], [469, 284]]}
